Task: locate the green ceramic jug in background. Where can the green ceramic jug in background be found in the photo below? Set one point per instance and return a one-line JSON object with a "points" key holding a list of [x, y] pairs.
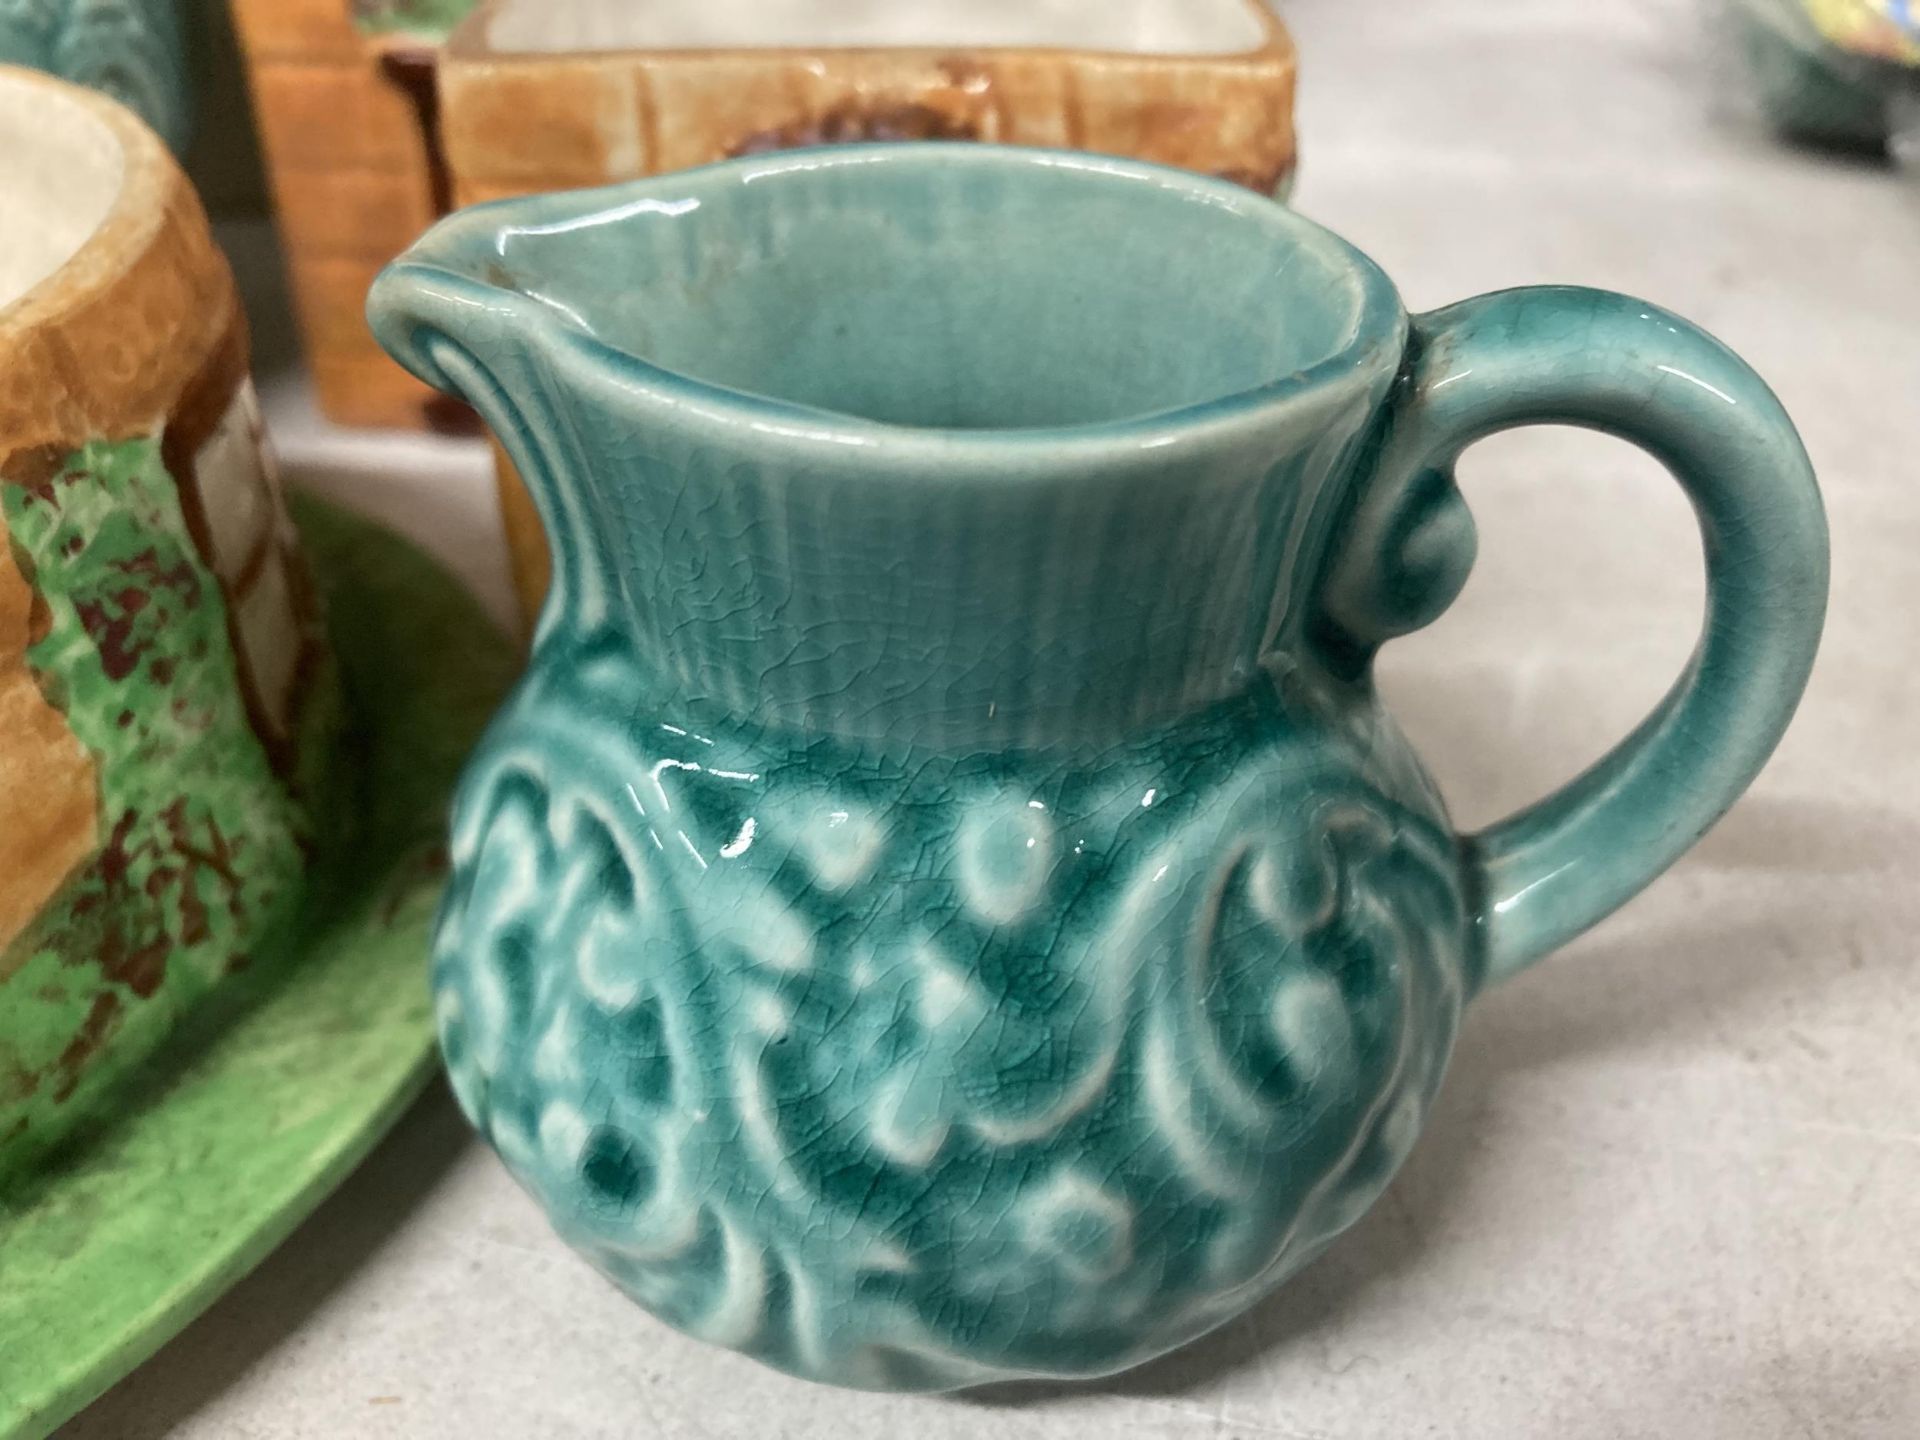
{"points": [[945, 903], [132, 50]]}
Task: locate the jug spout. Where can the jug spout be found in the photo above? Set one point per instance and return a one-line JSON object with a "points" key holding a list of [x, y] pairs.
{"points": [[464, 328]]}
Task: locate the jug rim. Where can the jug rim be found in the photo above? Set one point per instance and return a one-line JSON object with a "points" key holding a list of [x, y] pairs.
{"points": [[455, 256]]}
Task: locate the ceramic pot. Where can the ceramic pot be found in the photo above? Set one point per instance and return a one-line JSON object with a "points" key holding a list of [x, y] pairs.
{"points": [[945, 903], [347, 105], [558, 94], [161, 679], [132, 50]]}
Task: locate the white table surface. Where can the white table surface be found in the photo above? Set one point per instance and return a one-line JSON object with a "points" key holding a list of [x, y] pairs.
{"points": [[1672, 1186]]}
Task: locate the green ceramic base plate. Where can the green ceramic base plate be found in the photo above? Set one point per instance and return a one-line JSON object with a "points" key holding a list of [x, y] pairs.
{"points": [[139, 1226]]}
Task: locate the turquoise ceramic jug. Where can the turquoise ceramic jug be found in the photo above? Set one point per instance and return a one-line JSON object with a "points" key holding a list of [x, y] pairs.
{"points": [[945, 903]]}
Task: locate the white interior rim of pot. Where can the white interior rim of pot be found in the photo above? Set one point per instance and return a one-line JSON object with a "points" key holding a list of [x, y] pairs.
{"points": [[61, 168]]}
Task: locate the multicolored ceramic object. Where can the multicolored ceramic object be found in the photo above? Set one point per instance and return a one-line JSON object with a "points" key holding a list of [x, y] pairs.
{"points": [[228, 1139], [1887, 29], [132, 50], [1833, 72], [945, 902], [165, 696], [559, 94], [347, 102]]}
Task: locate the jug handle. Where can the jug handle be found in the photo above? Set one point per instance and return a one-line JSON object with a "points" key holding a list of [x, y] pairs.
{"points": [[1568, 356]]}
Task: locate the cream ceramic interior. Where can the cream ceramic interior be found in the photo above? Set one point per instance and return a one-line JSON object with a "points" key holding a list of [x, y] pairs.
{"points": [[1176, 27], [60, 169]]}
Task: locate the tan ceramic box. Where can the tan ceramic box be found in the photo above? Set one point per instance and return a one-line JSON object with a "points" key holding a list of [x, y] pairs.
{"points": [[558, 94], [347, 108], [544, 94]]}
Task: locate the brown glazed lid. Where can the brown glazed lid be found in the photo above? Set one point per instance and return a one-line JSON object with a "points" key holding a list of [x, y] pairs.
{"points": [[104, 346]]}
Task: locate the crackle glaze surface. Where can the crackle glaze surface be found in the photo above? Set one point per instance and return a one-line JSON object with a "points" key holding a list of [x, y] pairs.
{"points": [[930, 1072], [944, 903]]}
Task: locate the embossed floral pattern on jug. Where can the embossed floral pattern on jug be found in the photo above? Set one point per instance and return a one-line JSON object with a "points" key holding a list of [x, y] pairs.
{"points": [[944, 903]]}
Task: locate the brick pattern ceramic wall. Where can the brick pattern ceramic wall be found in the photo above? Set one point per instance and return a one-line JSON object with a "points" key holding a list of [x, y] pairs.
{"points": [[518, 123], [353, 180]]}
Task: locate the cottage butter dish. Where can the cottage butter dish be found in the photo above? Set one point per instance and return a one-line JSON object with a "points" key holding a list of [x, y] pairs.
{"points": [[166, 695], [229, 728], [944, 902]]}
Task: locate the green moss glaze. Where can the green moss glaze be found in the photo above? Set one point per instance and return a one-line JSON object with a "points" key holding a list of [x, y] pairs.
{"points": [[200, 846], [235, 1132], [434, 19]]}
